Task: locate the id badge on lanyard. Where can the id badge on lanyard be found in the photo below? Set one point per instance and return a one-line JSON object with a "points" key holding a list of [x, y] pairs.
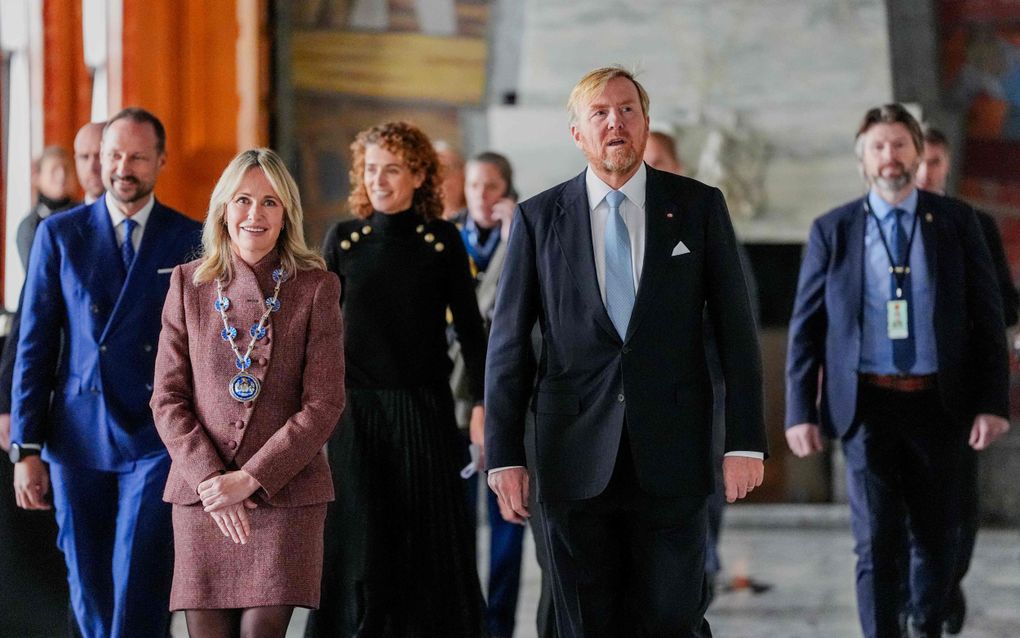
{"points": [[897, 319]]}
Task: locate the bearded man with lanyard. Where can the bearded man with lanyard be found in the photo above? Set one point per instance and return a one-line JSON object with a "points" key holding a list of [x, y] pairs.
{"points": [[899, 310]]}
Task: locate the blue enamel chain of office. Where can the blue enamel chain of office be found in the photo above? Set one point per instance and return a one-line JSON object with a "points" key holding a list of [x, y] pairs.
{"points": [[244, 386]]}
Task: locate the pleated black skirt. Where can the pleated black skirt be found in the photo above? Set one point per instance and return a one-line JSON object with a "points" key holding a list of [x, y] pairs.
{"points": [[400, 548]]}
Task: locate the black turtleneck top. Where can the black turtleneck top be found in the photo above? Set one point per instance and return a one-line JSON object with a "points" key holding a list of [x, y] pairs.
{"points": [[398, 276]]}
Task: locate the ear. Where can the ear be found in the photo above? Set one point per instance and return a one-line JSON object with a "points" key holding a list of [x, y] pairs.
{"points": [[161, 162], [419, 179], [576, 135]]}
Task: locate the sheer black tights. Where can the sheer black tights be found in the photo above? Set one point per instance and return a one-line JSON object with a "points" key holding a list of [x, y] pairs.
{"points": [[256, 622]]}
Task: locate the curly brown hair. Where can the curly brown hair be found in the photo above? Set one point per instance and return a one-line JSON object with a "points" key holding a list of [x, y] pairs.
{"points": [[410, 144]]}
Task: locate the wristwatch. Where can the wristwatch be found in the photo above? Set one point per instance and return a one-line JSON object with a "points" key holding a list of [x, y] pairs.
{"points": [[19, 452]]}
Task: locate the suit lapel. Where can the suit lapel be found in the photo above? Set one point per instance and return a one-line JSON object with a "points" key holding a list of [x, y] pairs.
{"points": [[573, 230], [106, 276], [929, 233], [657, 249], [856, 227], [136, 284]]}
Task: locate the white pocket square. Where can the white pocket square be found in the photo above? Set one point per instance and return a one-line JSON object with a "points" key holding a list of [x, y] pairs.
{"points": [[680, 249], [164, 271]]}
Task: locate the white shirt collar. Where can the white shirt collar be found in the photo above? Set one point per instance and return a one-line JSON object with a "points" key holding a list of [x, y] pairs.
{"points": [[141, 217], [634, 189]]}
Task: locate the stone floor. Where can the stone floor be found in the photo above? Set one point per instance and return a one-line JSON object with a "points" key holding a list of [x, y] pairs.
{"points": [[802, 557]]}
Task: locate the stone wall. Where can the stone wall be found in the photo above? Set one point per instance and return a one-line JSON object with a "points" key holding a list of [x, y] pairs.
{"points": [[788, 79]]}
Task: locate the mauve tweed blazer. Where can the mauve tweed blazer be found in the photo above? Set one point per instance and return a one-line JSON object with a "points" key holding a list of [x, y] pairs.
{"points": [[277, 438]]}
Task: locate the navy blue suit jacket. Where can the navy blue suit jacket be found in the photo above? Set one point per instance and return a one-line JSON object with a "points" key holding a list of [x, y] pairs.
{"points": [[92, 408], [590, 382], [825, 329]]}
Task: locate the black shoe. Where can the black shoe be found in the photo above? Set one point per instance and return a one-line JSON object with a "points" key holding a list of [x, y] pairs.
{"points": [[956, 612], [913, 631]]}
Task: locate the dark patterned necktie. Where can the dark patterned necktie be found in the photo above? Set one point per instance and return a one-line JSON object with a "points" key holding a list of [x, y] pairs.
{"points": [[904, 350], [127, 249]]}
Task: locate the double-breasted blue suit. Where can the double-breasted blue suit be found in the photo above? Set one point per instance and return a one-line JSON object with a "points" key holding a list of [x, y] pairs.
{"points": [[903, 445], [623, 419], [89, 407]]}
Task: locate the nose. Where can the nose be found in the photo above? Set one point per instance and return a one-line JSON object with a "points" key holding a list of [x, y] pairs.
{"points": [[614, 119]]}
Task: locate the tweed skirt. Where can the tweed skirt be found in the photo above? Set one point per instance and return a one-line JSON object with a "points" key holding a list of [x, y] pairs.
{"points": [[280, 565]]}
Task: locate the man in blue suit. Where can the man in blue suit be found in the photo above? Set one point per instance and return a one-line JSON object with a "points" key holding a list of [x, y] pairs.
{"points": [[898, 315], [99, 274], [617, 266]]}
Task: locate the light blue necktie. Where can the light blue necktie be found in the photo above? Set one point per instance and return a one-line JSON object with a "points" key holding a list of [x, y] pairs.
{"points": [[619, 269], [127, 249]]}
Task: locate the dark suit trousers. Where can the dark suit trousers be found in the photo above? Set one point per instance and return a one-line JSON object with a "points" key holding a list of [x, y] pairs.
{"points": [[626, 563], [904, 466]]}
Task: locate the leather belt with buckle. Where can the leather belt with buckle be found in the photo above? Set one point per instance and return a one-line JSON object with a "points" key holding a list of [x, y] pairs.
{"points": [[900, 382]]}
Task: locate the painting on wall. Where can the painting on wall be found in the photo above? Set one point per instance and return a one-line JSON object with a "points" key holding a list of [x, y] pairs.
{"points": [[981, 70], [355, 63]]}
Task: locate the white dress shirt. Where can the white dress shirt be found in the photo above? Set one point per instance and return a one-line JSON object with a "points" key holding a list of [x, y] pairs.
{"points": [[117, 219]]}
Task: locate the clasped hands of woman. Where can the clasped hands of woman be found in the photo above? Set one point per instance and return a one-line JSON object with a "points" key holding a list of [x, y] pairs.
{"points": [[226, 498]]}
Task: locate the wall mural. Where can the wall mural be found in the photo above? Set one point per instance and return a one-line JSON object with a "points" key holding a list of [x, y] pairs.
{"points": [[981, 64]]}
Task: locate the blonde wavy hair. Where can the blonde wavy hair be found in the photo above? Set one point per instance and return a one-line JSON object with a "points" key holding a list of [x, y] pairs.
{"points": [[409, 143], [216, 247]]}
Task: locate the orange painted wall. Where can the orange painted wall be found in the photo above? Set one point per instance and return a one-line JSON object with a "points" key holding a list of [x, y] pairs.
{"points": [[67, 83], [180, 63]]}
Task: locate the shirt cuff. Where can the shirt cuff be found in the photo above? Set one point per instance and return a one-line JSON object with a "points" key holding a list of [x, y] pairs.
{"points": [[505, 467], [30, 446], [751, 455]]}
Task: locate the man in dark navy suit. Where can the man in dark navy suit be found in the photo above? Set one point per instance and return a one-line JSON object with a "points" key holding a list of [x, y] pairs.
{"points": [[99, 274], [617, 267], [933, 175], [899, 315]]}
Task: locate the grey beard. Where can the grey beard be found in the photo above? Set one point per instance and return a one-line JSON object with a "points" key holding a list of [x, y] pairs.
{"points": [[620, 164], [894, 185]]}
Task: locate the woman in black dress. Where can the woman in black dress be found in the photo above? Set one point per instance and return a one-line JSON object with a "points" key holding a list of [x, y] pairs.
{"points": [[400, 551]]}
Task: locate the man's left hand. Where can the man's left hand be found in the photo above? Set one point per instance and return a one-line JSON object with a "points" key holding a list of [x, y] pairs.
{"points": [[986, 430], [741, 474]]}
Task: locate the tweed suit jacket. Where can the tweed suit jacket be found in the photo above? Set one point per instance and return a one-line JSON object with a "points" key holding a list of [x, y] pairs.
{"points": [[278, 438]]}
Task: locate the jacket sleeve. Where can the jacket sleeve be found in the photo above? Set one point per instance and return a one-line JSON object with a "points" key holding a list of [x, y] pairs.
{"points": [[729, 307], [510, 367], [7, 358], [43, 313], [988, 332], [297, 442], [1010, 297], [805, 355], [467, 320], [173, 395]]}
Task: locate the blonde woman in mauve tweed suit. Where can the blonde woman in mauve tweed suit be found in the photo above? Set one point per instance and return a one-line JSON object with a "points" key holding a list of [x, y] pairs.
{"points": [[245, 414]]}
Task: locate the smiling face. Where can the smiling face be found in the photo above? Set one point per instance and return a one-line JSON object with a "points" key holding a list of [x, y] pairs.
{"points": [[388, 180], [612, 130], [131, 161], [254, 217], [889, 159]]}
